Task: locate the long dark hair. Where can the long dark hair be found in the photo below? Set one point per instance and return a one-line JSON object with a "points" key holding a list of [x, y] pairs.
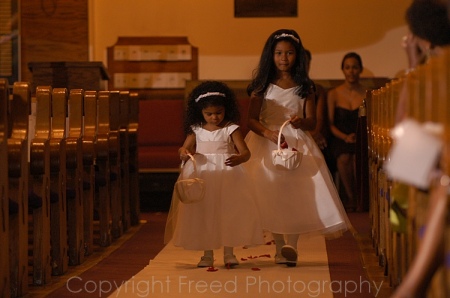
{"points": [[266, 71], [211, 93]]}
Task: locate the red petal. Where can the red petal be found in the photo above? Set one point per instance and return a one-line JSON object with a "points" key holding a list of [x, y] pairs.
{"points": [[293, 149], [243, 259], [256, 269], [265, 256], [211, 269]]}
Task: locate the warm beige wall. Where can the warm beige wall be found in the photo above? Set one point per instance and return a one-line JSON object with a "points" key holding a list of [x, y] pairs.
{"points": [[229, 47]]}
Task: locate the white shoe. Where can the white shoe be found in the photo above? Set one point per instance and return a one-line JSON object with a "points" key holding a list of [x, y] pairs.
{"points": [[230, 260], [280, 259], [290, 253], [206, 261]]}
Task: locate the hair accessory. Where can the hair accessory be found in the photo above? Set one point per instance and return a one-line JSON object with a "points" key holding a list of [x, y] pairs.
{"points": [[287, 35], [209, 94]]}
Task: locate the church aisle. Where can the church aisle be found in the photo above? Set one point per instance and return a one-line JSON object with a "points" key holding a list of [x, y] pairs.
{"points": [[351, 260]]}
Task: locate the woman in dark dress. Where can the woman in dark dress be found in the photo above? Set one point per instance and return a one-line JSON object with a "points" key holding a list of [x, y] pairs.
{"points": [[343, 106]]}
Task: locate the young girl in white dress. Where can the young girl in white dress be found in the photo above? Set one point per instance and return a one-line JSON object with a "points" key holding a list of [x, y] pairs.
{"points": [[227, 216], [291, 202]]}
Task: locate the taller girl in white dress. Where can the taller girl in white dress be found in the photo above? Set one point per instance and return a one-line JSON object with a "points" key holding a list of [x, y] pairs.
{"points": [[228, 215], [291, 202]]}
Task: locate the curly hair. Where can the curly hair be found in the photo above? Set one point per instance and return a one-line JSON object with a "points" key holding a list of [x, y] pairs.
{"points": [[428, 20], [266, 71], [194, 116]]}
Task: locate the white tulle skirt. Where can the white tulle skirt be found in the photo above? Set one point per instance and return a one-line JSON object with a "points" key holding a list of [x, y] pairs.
{"points": [[228, 214], [300, 201]]}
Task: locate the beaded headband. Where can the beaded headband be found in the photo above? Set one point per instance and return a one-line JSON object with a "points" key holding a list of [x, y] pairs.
{"points": [[287, 35], [209, 94]]}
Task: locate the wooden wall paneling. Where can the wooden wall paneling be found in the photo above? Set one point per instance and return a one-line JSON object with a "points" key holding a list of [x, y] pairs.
{"points": [[53, 31]]}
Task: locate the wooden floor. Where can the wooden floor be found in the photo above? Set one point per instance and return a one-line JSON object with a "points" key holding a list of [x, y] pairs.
{"points": [[350, 259]]}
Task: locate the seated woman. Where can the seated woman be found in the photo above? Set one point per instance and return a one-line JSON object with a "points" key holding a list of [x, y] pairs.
{"points": [[343, 106]]}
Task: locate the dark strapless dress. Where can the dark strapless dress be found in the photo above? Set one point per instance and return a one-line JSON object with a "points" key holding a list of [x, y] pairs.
{"points": [[346, 121]]}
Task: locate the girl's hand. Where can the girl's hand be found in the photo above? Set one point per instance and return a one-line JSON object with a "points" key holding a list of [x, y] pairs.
{"points": [[296, 121], [233, 160], [273, 135], [184, 154]]}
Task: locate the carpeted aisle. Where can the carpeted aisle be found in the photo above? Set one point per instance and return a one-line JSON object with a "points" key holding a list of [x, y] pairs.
{"points": [[173, 273], [142, 266]]}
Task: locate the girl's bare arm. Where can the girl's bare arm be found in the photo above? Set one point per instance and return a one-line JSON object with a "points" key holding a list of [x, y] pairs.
{"points": [[188, 147], [243, 151]]}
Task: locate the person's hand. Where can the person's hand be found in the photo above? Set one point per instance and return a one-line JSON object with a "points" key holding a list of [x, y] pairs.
{"points": [[413, 50], [296, 121], [184, 154], [233, 160], [273, 136], [350, 138]]}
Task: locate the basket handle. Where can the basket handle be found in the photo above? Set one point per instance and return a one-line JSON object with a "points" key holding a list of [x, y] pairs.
{"points": [[193, 162], [279, 134]]}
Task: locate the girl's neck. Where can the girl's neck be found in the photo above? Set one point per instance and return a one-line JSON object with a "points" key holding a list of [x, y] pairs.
{"points": [[212, 127], [284, 80]]}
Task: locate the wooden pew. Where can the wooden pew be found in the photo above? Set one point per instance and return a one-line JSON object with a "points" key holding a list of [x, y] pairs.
{"points": [[133, 127], [18, 175], [4, 206], [103, 174], [89, 140], [383, 189], [125, 157], [426, 89], [118, 223], [39, 183], [374, 100], [74, 167], [58, 176]]}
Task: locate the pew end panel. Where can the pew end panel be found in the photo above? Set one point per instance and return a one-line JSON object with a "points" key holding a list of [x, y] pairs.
{"points": [[74, 170], [4, 195], [58, 179], [18, 175], [133, 130], [118, 221], [89, 156], [103, 173]]}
